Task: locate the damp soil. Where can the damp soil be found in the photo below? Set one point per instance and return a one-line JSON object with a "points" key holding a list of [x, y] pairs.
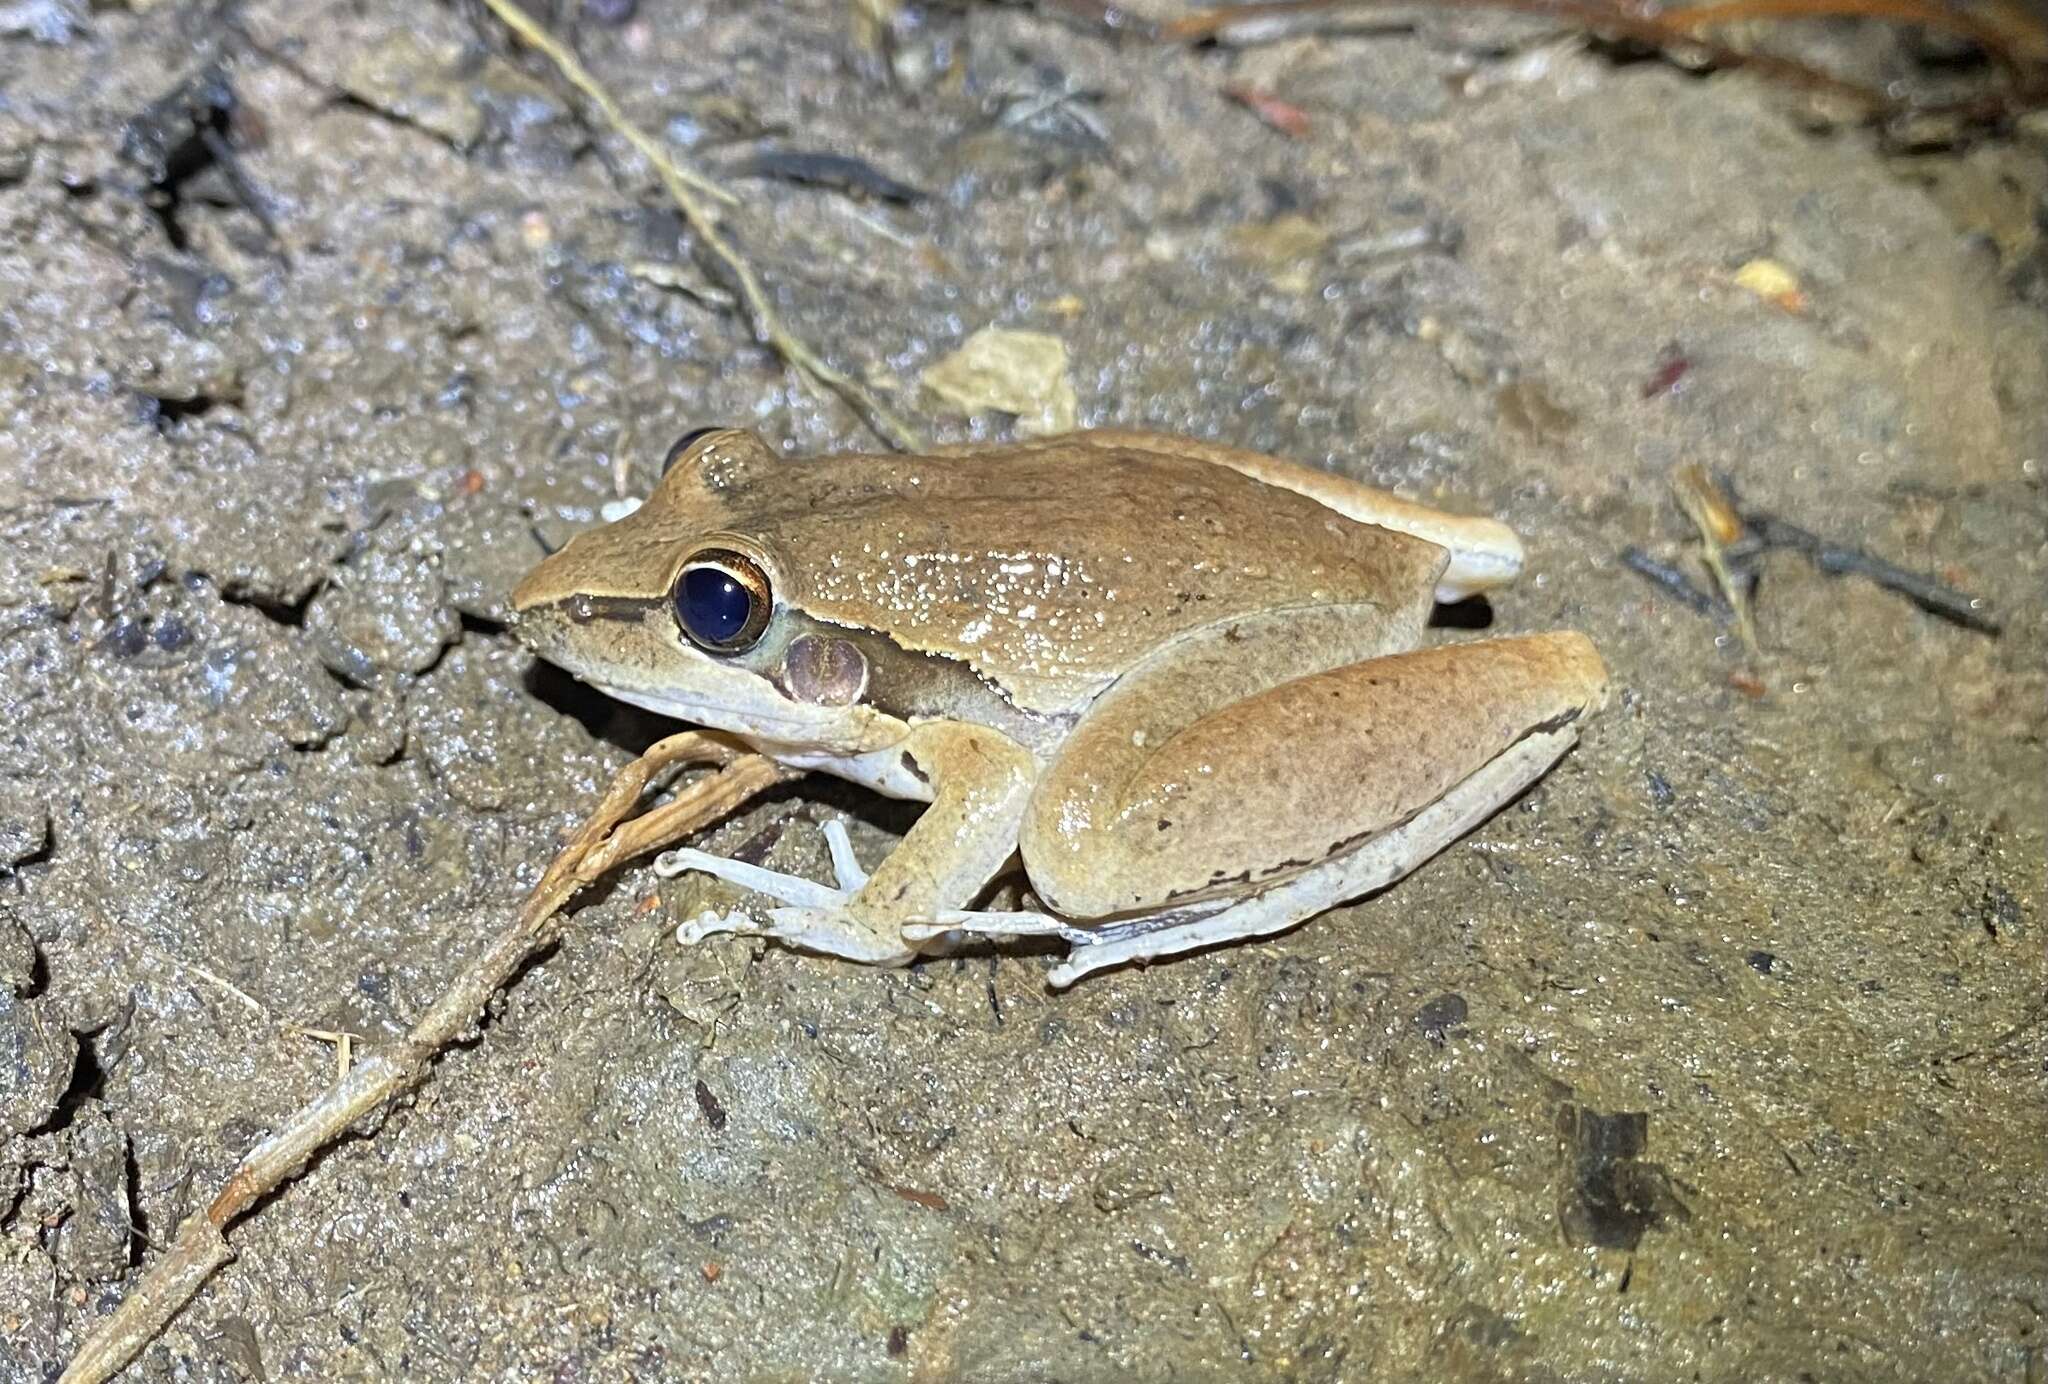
{"points": [[1717, 1055]]}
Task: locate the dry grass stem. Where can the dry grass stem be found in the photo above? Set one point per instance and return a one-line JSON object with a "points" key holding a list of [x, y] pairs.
{"points": [[693, 193]]}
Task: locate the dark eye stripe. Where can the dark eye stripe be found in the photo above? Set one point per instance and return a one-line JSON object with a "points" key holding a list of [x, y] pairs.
{"points": [[722, 601]]}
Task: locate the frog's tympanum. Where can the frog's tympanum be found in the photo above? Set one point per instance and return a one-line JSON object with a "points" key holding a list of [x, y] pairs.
{"points": [[1182, 685]]}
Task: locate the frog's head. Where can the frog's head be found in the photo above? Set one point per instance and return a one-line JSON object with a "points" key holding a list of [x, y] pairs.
{"points": [[675, 608]]}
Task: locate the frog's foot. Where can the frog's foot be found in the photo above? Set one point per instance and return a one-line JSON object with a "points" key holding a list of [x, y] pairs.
{"points": [[1373, 866], [818, 918], [814, 916]]}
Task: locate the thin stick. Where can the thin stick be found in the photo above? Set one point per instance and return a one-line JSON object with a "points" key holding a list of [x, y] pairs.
{"points": [[599, 845], [1590, 15], [690, 191], [1674, 583], [1837, 560], [1994, 40]]}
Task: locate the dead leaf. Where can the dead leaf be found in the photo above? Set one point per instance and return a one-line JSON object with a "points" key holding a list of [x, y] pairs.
{"points": [[1016, 372]]}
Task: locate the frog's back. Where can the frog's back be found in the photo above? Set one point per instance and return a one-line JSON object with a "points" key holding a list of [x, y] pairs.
{"points": [[1046, 565]]}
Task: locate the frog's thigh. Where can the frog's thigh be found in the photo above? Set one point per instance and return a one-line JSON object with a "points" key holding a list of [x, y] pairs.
{"points": [[1135, 817], [1374, 865]]}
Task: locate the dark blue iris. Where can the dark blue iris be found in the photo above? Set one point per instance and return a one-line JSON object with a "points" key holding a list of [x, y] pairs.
{"points": [[713, 606]]}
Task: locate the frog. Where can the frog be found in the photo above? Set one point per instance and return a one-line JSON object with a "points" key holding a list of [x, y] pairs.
{"points": [[1190, 691]]}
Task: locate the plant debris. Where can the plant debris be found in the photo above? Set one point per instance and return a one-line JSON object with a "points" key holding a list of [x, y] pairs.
{"points": [[2014, 39], [692, 193], [1021, 373], [1286, 117], [1669, 377], [1713, 514], [1839, 560], [1676, 583], [1774, 283], [1733, 540], [838, 172]]}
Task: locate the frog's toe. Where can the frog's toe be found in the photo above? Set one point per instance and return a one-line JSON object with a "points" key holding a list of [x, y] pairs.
{"points": [[845, 868], [783, 888], [711, 923]]}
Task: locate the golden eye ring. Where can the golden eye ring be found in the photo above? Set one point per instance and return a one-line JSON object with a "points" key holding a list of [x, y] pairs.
{"points": [[722, 600]]}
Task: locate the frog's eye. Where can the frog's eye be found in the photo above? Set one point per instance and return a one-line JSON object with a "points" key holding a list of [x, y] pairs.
{"points": [[683, 444], [722, 600]]}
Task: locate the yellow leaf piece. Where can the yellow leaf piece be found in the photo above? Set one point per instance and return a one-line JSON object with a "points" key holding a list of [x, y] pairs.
{"points": [[1772, 282], [1024, 373]]}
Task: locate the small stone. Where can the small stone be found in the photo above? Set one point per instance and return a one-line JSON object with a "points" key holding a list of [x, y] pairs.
{"points": [[1436, 1019]]}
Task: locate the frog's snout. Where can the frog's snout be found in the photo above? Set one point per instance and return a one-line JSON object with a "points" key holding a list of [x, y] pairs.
{"points": [[534, 588], [552, 581], [526, 625], [534, 618]]}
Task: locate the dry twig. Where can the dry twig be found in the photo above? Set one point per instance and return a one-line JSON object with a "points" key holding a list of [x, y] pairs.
{"points": [[2004, 43], [692, 192], [1593, 16], [1838, 560], [2013, 39], [605, 841], [1734, 538]]}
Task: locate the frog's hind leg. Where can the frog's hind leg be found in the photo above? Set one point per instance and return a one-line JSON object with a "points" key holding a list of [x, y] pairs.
{"points": [[1167, 824], [1372, 866]]}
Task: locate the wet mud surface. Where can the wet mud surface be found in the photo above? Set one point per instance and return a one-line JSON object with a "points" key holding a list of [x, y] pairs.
{"points": [[1718, 1055]]}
